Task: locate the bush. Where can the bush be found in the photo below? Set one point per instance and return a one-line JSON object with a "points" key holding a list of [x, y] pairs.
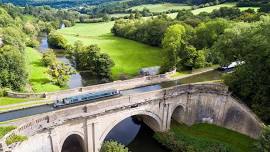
{"points": [[113, 146], [33, 43], [49, 58], [3, 92], [57, 41]]}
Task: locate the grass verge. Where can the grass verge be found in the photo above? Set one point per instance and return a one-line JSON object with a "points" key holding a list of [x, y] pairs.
{"points": [[205, 137]]}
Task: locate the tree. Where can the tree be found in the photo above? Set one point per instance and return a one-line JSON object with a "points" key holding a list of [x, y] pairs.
{"points": [[172, 41], [15, 37], [60, 73], [263, 144], [57, 41], [13, 73], [49, 57], [208, 33], [92, 60], [113, 146]]}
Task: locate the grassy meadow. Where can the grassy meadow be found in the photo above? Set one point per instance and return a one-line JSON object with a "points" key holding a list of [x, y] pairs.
{"points": [[129, 56], [38, 77], [199, 135], [162, 7]]}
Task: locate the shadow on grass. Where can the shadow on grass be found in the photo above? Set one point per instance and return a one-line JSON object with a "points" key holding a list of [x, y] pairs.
{"points": [[41, 81], [37, 64]]}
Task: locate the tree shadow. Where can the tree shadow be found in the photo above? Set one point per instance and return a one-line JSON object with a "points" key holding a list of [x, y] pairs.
{"points": [[37, 64], [41, 80]]}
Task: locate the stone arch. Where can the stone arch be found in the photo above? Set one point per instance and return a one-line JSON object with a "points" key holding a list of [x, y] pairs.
{"points": [[73, 138], [177, 113], [153, 121]]}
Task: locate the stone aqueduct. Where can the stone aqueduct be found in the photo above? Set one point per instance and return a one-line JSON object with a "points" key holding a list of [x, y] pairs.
{"points": [[89, 124]]}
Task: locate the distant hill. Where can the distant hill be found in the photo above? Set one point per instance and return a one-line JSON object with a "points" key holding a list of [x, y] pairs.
{"points": [[56, 3], [72, 3]]}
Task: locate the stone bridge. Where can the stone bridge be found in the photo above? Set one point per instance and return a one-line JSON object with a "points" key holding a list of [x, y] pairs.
{"points": [[88, 125]]}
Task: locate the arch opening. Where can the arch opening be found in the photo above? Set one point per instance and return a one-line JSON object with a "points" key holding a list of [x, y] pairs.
{"points": [[135, 131], [178, 114], [73, 143]]}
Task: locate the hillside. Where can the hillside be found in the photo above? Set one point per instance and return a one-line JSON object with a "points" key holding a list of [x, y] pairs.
{"points": [[56, 3]]}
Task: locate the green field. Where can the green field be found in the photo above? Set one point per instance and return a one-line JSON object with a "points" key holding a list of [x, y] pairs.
{"points": [[38, 77], [119, 15], [199, 135], [129, 56], [211, 8], [162, 7]]}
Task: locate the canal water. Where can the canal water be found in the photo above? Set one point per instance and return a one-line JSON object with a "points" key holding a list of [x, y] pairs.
{"points": [[131, 132]]}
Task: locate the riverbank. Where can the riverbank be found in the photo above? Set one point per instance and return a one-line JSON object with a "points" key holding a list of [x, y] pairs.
{"points": [[204, 137]]}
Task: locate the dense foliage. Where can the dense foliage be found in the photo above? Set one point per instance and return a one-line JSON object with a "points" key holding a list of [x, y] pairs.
{"points": [[263, 144], [149, 32], [60, 73], [49, 57], [57, 41], [90, 59], [13, 73], [113, 146]]}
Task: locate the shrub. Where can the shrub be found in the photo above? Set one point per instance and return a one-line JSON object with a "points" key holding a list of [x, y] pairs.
{"points": [[57, 41], [113, 146], [49, 58], [3, 92], [33, 43]]}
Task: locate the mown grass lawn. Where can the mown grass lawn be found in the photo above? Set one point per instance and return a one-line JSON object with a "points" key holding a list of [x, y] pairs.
{"points": [[162, 7], [38, 77], [238, 142], [129, 56]]}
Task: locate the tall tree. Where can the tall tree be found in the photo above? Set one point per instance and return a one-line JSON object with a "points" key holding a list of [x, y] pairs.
{"points": [[172, 41], [13, 73]]}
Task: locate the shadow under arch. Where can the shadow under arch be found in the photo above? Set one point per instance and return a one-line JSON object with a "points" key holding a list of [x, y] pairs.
{"points": [[178, 114], [73, 143], [149, 118]]}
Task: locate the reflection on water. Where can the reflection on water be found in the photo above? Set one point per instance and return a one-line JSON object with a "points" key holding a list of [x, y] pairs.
{"points": [[135, 135]]}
